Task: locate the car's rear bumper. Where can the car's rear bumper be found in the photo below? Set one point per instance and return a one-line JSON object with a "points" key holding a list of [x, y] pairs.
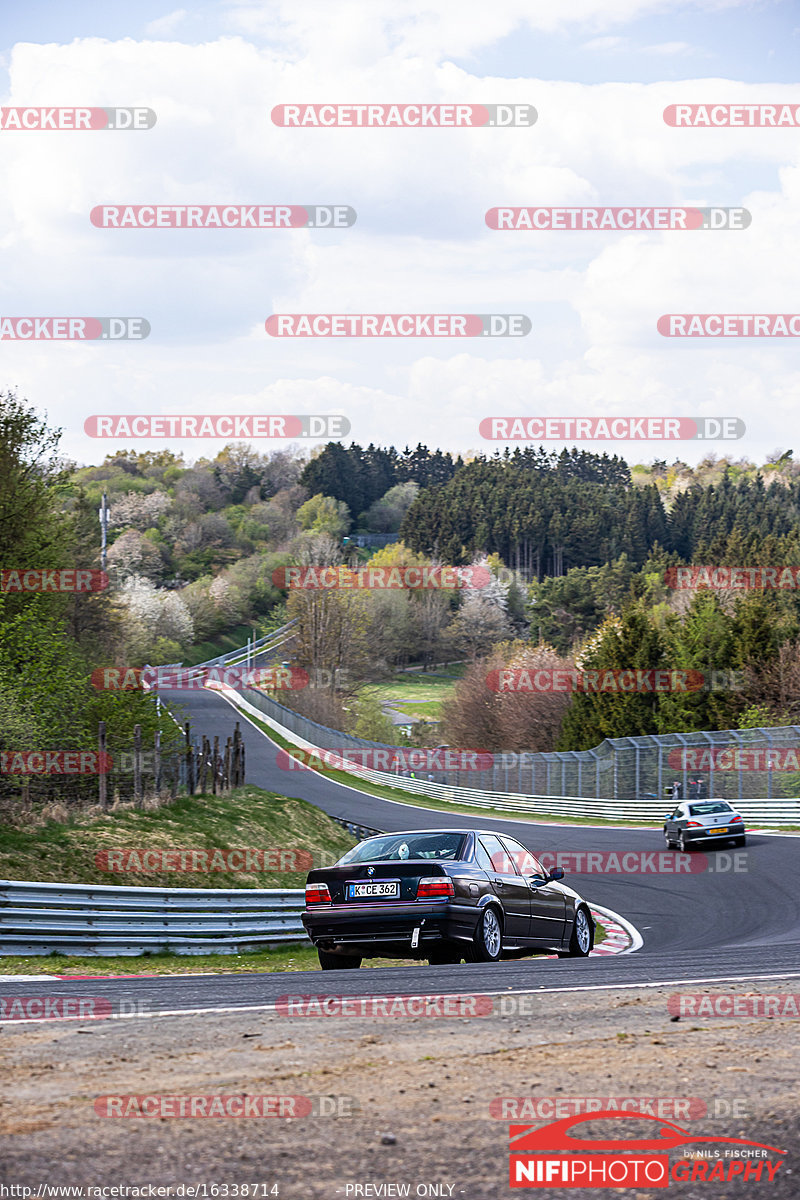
{"points": [[388, 926], [712, 835]]}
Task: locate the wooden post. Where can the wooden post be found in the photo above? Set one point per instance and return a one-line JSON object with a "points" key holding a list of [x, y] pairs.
{"points": [[201, 771], [176, 770], [215, 766], [189, 760], [102, 780], [157, 762], [237, 742], [226, 772], [241, 762], [137, 765]]}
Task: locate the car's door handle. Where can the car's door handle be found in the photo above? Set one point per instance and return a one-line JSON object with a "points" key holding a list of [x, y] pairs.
{"points": [[499, 883]]}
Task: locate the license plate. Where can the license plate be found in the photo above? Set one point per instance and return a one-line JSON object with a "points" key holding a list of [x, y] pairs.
{"points": [[721, 829], [384, 889]]}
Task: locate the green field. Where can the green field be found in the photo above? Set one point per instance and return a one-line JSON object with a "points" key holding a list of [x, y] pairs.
{"points": [[417, 693]]}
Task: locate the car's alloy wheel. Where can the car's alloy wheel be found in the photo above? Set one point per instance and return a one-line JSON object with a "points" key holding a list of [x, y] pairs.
{"points": [[488, 936], [337, 962], [581, 941], [684, 845], [669, 841]]}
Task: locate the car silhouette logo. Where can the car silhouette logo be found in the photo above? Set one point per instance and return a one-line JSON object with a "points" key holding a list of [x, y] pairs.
{"points": [[556, 1136]]}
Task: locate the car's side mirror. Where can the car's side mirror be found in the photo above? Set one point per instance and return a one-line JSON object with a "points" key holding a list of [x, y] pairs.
{"points": [[556, 873]]}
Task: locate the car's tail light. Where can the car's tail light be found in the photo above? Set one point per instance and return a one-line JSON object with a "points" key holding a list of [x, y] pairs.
{"points": [[694, 825], [736, 820], [435, 887], [317, 893]]}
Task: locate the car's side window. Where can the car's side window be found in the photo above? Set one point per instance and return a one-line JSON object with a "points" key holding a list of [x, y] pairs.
{"points": [[501, 861], [676, 816], [525, 862], [482, 856]]}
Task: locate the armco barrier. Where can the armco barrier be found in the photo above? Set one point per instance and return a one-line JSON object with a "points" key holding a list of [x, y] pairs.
{"points": [[754, 810], [103, 920], [250, 655]]}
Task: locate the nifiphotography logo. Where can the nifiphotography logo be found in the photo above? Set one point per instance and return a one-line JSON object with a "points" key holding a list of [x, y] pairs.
{"points": [[547, 1156]]}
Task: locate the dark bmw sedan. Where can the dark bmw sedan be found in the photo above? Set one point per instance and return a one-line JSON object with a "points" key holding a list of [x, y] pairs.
{"points": [[443, 895]]}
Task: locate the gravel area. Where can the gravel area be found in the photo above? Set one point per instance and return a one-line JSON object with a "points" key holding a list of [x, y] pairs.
{"points": [[421, 1088]]}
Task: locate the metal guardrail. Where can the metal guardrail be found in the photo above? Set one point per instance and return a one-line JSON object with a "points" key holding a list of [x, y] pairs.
{"points": [[265, 645], [103, 920], [245, 654]]}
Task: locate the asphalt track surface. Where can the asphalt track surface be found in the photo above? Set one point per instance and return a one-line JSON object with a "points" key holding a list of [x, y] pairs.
{"points": [[713, 925]]}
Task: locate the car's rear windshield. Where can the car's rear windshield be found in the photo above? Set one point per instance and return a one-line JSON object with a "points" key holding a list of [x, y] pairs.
{"points": [[398, 846], [711, 806]]}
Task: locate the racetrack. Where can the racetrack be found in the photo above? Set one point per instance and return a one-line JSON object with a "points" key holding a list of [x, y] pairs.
{"points": [[715, 924], [423, 1088], [719, 919]]}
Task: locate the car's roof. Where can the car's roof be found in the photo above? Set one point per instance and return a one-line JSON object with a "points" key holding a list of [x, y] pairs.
{"points": [[445, 829]]}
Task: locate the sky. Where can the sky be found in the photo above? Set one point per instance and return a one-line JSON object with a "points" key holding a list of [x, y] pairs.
{"points": [[598, 72]]}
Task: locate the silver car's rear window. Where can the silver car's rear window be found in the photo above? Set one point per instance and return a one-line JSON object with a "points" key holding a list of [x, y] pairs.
{"points": [[710, 806], [399, 846]]}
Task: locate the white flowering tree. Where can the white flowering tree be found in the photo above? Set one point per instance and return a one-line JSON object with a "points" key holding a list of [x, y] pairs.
{"points": [[153, 617]]}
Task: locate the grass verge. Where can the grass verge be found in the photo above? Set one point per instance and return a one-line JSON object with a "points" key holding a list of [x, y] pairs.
{"points": [[65, 850], [280, 958]]}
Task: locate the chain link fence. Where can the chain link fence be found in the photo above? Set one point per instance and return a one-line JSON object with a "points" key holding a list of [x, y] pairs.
{"points": [[732, 764]]}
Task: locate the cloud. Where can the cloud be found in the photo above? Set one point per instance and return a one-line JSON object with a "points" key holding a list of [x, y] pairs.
{"points": [[606, 43], [420, 245], [163, 26], [443, 30], [669, 48]]}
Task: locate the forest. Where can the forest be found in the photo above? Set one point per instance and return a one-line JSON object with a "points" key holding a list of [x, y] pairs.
{"points": [[579, 549]]}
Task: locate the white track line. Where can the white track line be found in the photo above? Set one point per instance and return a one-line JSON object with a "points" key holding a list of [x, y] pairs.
{"points": [[540, 991]]}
